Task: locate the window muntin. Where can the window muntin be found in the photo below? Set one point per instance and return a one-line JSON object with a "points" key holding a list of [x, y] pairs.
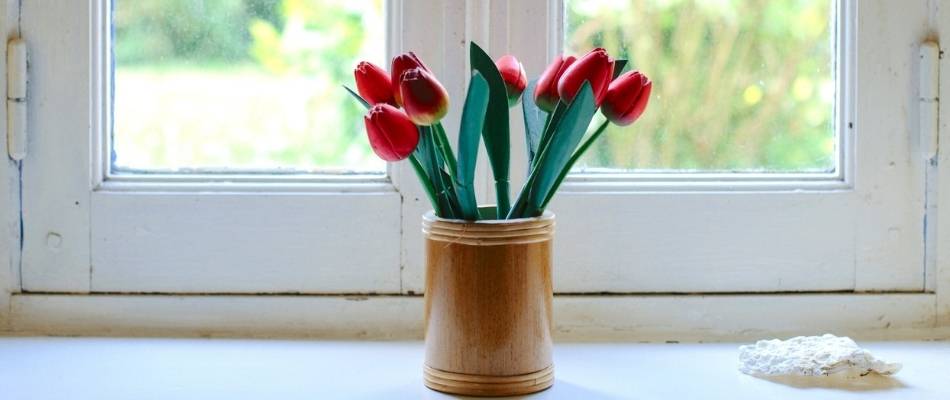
{"points": [[742, 85], [241, 85]]}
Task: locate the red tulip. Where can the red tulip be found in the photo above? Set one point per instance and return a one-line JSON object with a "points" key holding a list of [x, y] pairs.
{"points": [[423, 97], [402, 63], [545, 94], [595, 67], [627, 97], [373, 83], [392, 135], [512, 72]]}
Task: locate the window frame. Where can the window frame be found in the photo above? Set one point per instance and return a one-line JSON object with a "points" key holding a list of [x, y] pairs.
{"points": [[733, 316], [852, 229], [501, 27], [76, 264]]}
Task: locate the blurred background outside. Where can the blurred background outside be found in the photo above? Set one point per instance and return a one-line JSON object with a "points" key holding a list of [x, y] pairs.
{"points": [[740, 85]]}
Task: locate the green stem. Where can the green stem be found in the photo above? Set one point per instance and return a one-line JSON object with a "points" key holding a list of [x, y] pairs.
{"points": [[442, 142], [426, 183], [570, 163], [439, 183], [520, 206], [504, 199], [550, 125]]}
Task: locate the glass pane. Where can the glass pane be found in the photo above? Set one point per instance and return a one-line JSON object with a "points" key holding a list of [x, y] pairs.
{"points": [[231, 85], [739, 85]]}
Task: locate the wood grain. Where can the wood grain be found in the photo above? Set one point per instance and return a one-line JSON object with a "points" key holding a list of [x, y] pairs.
{"points": [[488, 306]]}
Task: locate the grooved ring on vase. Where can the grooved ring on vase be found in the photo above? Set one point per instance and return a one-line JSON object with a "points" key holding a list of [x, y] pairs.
{"points": [[488, 385], [491, 232]]}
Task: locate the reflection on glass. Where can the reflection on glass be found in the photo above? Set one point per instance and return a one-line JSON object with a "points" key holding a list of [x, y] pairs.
{"points": [[739, 85], [217, 85]]}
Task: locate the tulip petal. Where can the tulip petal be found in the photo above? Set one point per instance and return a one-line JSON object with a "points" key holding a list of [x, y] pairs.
{"points": [[425, 99]]}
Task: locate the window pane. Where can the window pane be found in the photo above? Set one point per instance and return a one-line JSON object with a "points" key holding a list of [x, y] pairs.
{"points": [[218, 85], [739, 85]]}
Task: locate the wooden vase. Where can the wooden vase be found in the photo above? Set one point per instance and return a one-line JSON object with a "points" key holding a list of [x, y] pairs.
{"points": [[488, 312]]}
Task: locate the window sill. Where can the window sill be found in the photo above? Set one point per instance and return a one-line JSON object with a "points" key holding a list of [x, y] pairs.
{"points": [[117, 368], [622, 318]]}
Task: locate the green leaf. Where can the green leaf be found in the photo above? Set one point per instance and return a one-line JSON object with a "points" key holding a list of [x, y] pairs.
{"points": [[564, 140], [445, 149], [430, 160], [570, 164], [495, 131], [534, 118], [358, 97], [470, 131], [618, 67], [426, 182], [554, 118]]}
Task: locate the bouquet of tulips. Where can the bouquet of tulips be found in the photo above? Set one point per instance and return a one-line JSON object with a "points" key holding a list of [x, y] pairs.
{"points": [[558, 111]]}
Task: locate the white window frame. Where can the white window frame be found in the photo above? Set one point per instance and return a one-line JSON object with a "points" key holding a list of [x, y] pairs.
{"points": [[137, 233], [826, 239], [861, 230]]}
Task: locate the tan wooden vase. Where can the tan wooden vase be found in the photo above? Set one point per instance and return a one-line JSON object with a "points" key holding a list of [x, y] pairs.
{"points": [[488, 305]]}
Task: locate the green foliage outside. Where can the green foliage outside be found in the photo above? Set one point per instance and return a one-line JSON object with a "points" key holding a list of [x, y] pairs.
{"points": [[252, 84], [739, 84]]}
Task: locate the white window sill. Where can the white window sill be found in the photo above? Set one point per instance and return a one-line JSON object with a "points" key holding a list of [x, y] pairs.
{"points": [[93, 368]]}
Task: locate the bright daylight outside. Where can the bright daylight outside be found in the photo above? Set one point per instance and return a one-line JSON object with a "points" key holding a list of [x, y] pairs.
{"points": [[747, 85], [242, 84]]}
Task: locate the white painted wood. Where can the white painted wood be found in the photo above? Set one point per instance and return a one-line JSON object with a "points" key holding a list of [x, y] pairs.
{"points": [[9, 187], [942, 213], [888, 176], [929, 104], [617, 318], [56, 176], [280, 233], [859, 228], [419, 37], [122, 368], [16, 98], [780, 242], [377, 317], [201, 243]]}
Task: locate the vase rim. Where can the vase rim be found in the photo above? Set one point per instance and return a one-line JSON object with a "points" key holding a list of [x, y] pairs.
{"points": [[430, 216]]}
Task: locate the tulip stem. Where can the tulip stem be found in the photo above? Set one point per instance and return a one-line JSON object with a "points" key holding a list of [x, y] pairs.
{"points": [[442, 189], [550, 125], [426, 183], [503, 197], [570, 164], [442, 142]]}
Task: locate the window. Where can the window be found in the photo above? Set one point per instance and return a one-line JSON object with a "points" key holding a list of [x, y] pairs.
{"points": [[748, 85], [796, 184], [241, 85], [210, 149]]}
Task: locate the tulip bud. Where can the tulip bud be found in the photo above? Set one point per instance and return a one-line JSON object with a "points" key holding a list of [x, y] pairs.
{"points": [[545, 94], [392, 135], [423, 97], [402, 63], [595, 67], [626, 98], [512, 72], [373, 83]]}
